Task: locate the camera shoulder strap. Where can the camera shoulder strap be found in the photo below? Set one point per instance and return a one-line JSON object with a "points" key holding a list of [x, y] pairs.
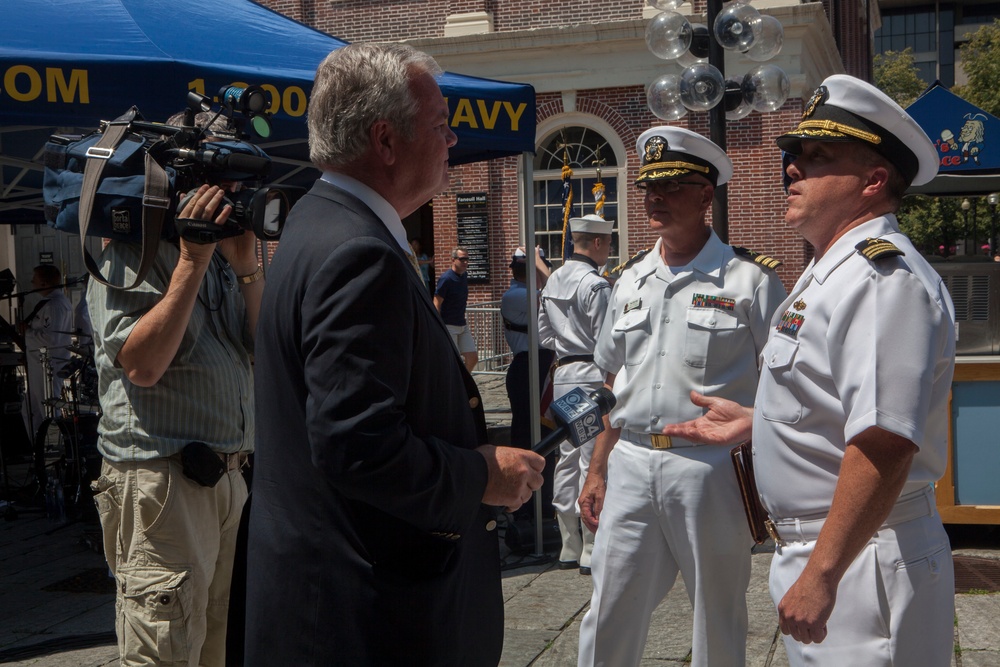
{"points": [[155, 201]]}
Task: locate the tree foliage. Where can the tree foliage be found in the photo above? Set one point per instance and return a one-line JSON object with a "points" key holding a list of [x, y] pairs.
{"points": [[897, 76], [981, 63]]}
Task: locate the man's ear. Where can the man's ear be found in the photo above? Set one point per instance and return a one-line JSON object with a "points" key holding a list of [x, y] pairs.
{"points": [[707, 194], [876, 182], [384, 141]]}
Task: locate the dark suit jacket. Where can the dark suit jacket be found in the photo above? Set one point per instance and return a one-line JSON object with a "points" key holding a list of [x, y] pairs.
{"points": [[367, 543]]}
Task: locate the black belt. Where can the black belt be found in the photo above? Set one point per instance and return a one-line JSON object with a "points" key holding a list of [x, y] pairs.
{"points": [[511, 326], [574, 358]]}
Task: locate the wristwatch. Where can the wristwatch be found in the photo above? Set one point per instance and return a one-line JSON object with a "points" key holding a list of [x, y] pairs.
{"points": [[251, 277]]}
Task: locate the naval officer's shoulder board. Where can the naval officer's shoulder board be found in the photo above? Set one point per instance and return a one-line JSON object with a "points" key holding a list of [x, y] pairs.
{"points": [[876, 249], [766, 261], [616, 273]]}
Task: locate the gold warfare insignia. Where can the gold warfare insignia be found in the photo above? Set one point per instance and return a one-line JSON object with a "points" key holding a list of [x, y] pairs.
{"points": [[759, 258], [820, 96], [799, 305], [654, 149], [874, 249]]}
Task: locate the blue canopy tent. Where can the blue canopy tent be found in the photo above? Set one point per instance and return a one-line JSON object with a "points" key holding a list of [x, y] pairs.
{"points": [[968, 143], [72, 63]]}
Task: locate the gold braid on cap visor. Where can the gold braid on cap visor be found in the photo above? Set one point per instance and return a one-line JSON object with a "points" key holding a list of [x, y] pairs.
{"points": [[676, 167], [829, 128]]}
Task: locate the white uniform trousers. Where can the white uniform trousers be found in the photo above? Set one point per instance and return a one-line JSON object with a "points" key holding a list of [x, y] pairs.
{"points": [[895, 605], [669, 511]]}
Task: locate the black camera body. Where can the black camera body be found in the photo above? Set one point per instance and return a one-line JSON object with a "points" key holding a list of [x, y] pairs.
{"points": [[196, 154]]}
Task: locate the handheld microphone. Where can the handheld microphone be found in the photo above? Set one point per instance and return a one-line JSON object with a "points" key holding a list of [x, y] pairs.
{"points": [[578, 417]]}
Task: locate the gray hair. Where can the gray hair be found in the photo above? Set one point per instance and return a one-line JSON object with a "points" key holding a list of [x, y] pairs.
{"points": [[219, 127], [356, 86]]}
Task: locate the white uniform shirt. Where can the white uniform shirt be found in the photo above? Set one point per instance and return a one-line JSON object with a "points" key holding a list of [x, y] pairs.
{"points": [[574, 302], [858, 343], [702, 328]]}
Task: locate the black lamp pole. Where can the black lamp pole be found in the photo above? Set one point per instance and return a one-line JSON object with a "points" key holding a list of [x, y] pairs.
{"points": [[717, 123]]}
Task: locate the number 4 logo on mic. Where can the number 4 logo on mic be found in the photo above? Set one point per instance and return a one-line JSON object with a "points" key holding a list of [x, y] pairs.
{"points": [[580, 414]]}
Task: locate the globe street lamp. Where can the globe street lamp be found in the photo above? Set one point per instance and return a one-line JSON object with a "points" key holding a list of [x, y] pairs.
{"points": [[702, 85]]}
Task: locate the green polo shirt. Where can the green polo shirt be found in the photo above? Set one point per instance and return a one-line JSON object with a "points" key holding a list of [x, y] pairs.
{"points": [[205, 395]]}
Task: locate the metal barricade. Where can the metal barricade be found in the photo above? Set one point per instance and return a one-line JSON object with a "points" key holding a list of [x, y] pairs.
{"points": [[487, 329]]}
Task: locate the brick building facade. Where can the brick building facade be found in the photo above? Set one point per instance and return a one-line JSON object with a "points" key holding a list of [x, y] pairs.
{"points": [[589, 65]]}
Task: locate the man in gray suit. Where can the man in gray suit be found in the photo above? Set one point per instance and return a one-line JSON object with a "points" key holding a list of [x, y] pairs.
{"points": [[371, 540]]}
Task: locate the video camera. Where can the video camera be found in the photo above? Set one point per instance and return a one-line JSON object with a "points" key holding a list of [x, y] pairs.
{"points": [[214, 149]]}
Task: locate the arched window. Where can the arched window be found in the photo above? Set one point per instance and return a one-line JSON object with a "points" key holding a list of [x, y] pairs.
{"points": [[588, 154]]}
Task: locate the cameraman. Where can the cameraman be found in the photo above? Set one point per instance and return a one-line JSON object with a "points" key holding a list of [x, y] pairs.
{"points": [[176, 388]]}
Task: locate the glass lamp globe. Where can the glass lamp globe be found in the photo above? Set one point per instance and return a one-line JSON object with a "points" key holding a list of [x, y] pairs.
{"points": [[702, 87], [664, 97], [734, 26], [665, 5], [767, 87], [688, 58], [668, 35], [736, 103], [768, 38]]}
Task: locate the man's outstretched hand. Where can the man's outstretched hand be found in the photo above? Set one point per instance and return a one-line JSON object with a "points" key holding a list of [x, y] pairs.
{"points": [[726, 422]]}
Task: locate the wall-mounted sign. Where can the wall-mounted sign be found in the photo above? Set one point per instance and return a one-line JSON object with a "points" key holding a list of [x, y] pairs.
{"points": [[473, 234]]}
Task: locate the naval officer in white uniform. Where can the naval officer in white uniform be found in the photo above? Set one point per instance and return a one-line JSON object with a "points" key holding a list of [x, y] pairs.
{"points": [[693, 313], [850, 426], [574, 302]]}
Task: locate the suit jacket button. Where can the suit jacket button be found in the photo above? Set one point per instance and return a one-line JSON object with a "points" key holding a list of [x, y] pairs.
{"points": [[474, 402], [490, 525]]}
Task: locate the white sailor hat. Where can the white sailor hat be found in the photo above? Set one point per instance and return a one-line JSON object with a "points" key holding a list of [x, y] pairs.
{"points": [[671, 152], [844, 108], [591, 224], [520, 259]]}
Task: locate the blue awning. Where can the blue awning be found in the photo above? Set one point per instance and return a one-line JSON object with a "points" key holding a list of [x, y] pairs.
{"points": [[73, 63], [968, 143]]}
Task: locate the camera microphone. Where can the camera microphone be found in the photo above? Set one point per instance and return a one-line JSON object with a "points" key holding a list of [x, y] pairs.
{"points": [[579, 418], [226, 160]]}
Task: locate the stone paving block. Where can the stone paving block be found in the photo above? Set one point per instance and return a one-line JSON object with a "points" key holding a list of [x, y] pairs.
{"points": [[987, 658], [564, 650], [978, 621], [521, 647], [548, 602]]}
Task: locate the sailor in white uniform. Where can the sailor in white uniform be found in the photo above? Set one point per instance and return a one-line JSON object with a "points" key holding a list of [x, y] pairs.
{"points": [[851, 416], [573, 305], [692, 314]]}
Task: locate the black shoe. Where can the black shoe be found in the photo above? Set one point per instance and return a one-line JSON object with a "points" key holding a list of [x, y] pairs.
{"points": [[568, 565], [585, 570]]}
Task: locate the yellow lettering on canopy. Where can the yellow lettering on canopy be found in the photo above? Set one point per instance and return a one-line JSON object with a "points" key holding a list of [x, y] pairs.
{"points": [[464, 114], [275, 98], [295, 101], [489, 119], [515, 116], [55, 80], [34, 83]]}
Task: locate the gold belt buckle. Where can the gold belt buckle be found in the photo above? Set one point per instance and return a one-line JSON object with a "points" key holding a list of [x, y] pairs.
{"points": [[772, 530], [660, 441]]}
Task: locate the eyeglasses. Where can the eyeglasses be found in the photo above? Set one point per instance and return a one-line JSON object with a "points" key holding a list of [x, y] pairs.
{"points": [[666, 186], [463, 259]]}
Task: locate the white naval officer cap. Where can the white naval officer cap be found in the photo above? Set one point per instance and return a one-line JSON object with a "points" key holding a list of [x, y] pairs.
{"points": [[591, 224], [844, 108], [671, 152]]}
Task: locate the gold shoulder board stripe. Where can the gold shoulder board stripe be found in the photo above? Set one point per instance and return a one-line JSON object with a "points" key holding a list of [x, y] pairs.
{"points": [[629, 262], [874, 249], [763, 260]]}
